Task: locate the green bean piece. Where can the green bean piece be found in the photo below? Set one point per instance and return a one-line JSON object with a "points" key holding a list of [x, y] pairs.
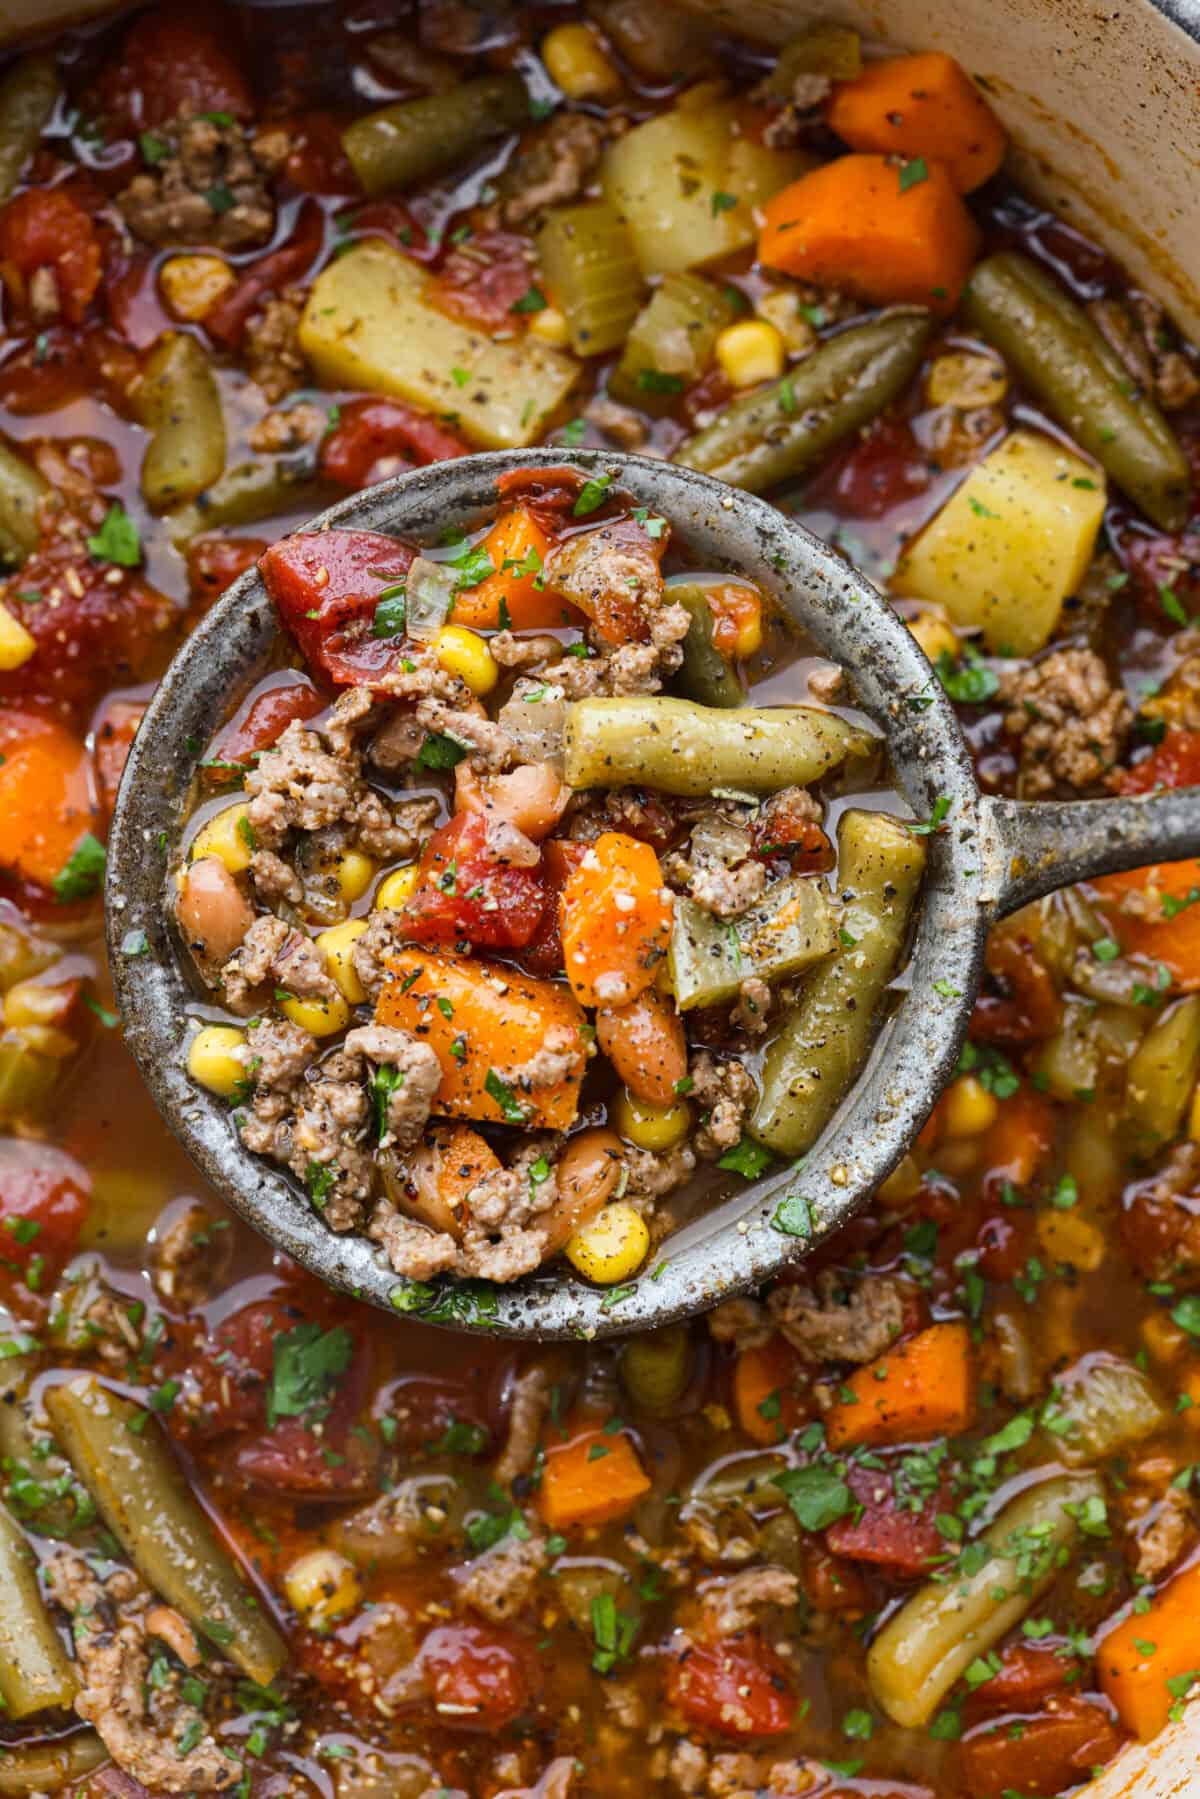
{"points": [[679, 747], [780, 432], [27, 96], [656, 1367], [823, 1043], [671, 342], [1162, 1073], [180, 402], [246, 493], [35, 1674], [932, 1641], [48, 1767], [822, 48], [704, 674], [413, 140], [21, 488], [122, 1458], [792, 926], [1060, 355], [587, 262]]}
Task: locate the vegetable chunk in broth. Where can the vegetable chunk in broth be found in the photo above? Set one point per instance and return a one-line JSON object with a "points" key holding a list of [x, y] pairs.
{"points": [[548, 890]]}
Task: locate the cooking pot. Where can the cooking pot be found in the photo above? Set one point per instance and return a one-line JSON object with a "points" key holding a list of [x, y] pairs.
{"points": [[1103, 111]]}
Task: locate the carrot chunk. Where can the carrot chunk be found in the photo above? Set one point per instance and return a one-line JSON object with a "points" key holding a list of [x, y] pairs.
{"points": [[486, 1024], [921, 1389], [885, 231], [591, 1478], [925, 105], [516, 595], [1145, 1661], [616, 921], [767, 1399], [45, 796]]}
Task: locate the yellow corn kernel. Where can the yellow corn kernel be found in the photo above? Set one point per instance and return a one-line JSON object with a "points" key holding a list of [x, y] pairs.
{"points": [[192, 285], [967, 1108], [649, 1126], [612, 1246], [575, 62], [337, 945], [935, 636], [16, 643], [395, 890], [751, 351], [354, 873], [226, 835], [213, 1059], [901, 1186], [319, 1017], [783, 308], [717, 1418], [1165, 1340], [550, 325], [465, 654], [1066, 1237], [961, 378], [322, 1586]]}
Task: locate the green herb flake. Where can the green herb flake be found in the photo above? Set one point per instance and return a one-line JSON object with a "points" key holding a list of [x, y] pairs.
{"points": [[913, 172], [117, 539], [81, 875]]}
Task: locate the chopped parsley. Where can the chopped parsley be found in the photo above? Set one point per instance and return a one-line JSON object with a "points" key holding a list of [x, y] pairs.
{"points": [[511, 1109], [746, 1158], [592, 494], [80, 876], [439, 751], [817, 1495], [969, 681], [117, 539], [913, 172], [307, 1364], [385, 1082]]}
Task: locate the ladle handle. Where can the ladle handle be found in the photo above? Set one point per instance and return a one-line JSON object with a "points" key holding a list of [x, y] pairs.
{"points": [[1029, 850]]}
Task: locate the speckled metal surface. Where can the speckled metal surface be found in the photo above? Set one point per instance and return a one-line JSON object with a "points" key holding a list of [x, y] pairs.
{"points": [[987, 857]]}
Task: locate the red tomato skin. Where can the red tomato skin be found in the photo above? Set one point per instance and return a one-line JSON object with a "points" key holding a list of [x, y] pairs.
{"points": [[481, 280], [1175, 762], [112, 739], [488, 905], [543, 954], [477, 1667], [173, 61], [265, 722], [214, 563], [61, 365], [41, 1186], [1038, 1756], [878, 473], [317, 163], [326, 587], [45, 228], [549, 493], [1029, 1674], [226, 320], [887, 1534], [375, 438], [737, 1688], [98, 636]]}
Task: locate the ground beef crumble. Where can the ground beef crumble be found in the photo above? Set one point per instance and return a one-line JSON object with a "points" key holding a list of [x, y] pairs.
{"points": [[140, 1724], [210, 185], [839, 1318], [1071, 722], [553, 168], [724, 1092]]}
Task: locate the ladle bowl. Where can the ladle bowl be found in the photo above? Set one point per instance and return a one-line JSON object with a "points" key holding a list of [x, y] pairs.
{"points": [[987, 856]]}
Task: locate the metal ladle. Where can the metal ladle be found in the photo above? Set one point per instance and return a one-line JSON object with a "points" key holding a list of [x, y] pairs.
{"points": [[989, 857]]}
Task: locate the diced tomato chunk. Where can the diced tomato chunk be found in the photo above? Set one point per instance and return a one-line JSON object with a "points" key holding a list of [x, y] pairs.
{"points": [[1158, 563], [480, 1678], [265, 721], [61, 365], [1028, 1674], [885, 467], [886, 1531], [316, 162], [1175, 762], [97, 634], [831, 1584], [43, 1203], [327, 585], [738, 1688], [47, 229], [174, 61], [375, 438], [549, 493], [214, 563], [1040, 1756], [543, 954], [112, 740], [464, 895], [483, 278]]}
